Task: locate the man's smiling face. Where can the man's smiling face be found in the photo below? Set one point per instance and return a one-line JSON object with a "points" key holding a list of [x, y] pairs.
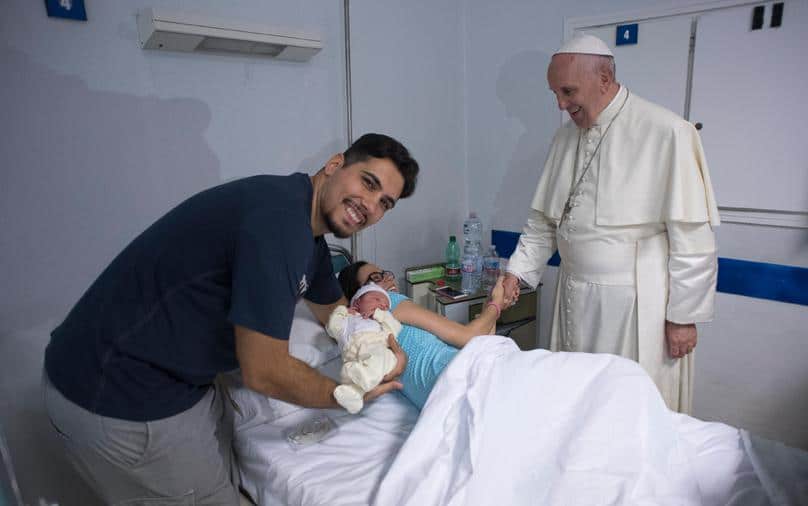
{"points": [[357, 196]]}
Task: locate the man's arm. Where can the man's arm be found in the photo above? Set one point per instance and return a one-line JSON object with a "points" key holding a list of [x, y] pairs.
{"points": [[536, 245], [323, 311], [692, 271], [268, 368]]}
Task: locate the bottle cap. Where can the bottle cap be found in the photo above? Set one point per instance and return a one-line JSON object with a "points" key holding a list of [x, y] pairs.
{"points": [[452, 238]]}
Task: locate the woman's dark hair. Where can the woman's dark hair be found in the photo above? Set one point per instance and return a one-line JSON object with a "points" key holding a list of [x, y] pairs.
{"points": [[348, 278], [383, 146]]}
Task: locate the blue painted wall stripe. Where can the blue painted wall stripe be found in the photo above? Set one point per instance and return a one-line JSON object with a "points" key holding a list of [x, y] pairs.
{"points": [[783, 283]]}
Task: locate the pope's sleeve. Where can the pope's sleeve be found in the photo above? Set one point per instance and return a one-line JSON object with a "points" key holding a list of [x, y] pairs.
{"points": [[692, 271], [536, 245]]}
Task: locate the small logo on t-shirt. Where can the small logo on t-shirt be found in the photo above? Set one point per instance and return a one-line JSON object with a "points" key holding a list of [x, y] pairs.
{"points": [[302, 286]]}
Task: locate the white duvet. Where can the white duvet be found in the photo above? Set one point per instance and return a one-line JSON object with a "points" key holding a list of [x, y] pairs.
{"points": [[505, 427]]}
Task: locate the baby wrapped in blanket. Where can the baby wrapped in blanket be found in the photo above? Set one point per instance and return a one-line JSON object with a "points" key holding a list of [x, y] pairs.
{"points": [[361, 331]]}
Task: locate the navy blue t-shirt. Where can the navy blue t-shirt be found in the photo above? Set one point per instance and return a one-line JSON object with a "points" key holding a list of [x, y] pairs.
{"points": [[148, 337]]}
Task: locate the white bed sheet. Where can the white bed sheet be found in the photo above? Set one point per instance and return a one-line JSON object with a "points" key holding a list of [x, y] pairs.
{"points": [[343, 469], [347, 468]]}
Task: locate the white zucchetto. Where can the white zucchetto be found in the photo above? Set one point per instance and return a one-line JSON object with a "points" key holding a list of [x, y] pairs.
{"points": [[583, 43]]}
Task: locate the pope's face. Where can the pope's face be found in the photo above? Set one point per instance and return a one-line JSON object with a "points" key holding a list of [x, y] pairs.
{"points": [[578, 87], [357, 196]]}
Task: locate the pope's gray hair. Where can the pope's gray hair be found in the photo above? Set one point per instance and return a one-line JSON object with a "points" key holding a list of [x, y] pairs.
{"points": [[605, 64]]}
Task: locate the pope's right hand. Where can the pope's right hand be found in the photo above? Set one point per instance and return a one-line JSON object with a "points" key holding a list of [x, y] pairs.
{"points": [[498, 294], [511, 285]]}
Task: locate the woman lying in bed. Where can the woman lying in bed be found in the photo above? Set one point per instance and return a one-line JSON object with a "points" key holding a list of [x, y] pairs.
{"points": [[429, 339]]}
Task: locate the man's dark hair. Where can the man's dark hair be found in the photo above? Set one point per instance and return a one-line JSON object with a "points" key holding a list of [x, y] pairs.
{"points": [[348, 278], [383, 146]]}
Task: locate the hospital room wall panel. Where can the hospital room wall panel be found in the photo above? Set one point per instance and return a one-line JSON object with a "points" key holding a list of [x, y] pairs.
{"points": [[407, 74], [751, 368]]}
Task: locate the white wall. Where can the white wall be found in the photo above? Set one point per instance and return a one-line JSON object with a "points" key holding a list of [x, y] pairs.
{"points": [[750, 366], [99, 138], [408, 75]]}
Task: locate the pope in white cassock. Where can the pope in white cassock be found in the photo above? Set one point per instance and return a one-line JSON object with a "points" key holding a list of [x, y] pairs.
{"points": [[625, 197]]}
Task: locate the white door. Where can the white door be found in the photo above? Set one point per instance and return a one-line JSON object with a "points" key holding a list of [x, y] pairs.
{"points": [[749, 93]]}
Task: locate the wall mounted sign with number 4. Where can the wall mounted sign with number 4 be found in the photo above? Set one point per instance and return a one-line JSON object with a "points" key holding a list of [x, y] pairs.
{"points": [[626, 34], [70, 9]]}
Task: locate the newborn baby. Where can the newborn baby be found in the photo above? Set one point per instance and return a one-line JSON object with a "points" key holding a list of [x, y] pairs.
{"points": [[362, 332]]}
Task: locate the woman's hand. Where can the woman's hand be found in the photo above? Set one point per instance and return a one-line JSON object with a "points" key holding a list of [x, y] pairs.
{"points": [[390, 381], [497, 295]]}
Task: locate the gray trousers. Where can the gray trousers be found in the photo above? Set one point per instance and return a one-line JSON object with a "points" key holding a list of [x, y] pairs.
{"points": [[180, 460]]}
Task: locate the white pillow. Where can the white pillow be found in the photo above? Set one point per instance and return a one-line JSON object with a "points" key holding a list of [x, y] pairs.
{"points": [[308, 342]]}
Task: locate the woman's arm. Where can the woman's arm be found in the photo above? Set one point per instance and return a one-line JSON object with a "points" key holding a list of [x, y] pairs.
{"points": [[451, 332]]}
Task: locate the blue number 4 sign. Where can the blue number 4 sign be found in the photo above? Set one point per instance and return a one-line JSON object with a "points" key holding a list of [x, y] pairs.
{"points": [[70, 9], [626, 34]]}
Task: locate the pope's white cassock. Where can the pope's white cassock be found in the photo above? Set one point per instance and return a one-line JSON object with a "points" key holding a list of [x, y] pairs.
{"points": [[636, 238]]}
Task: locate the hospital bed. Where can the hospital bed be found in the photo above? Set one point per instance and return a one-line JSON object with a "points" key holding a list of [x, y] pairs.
{"points": [[490, 434]]}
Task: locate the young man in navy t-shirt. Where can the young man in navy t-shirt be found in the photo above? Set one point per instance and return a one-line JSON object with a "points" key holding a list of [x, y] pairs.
{"points": [[208, 288]]}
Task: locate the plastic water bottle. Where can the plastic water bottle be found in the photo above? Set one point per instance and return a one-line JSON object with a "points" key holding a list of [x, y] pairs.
{"points": [[490, 268], [470, 271], [471, 266], [472, 234], [452, 260]]}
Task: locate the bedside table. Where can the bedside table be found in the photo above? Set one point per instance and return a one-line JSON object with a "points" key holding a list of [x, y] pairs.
{"points": [[519, 322]]}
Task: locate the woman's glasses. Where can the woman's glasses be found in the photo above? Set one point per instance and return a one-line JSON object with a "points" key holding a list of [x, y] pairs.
{"points": [[379, 276]]}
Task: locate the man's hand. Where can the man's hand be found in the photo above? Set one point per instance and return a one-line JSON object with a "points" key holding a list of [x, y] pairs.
{"points": [[681, 338], [388, 383], [511, 285]]}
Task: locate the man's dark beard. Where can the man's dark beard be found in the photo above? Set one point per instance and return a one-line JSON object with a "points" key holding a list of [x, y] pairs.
{"points": [[335, 229]]}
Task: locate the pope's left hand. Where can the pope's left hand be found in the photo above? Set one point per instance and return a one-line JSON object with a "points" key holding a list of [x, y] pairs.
{"points": [[681, 338]]}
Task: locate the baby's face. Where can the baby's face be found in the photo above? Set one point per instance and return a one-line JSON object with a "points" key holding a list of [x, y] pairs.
{"points": [[370, 302]]}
